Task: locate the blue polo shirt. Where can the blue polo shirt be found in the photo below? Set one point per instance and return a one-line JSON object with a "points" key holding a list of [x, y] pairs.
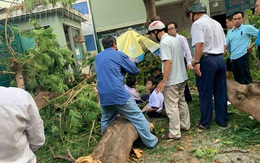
{"points": [[111, 67], [239, 39]]}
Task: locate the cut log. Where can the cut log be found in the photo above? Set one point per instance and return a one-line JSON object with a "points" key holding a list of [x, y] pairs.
{"points": [[245, 97], [116, 143]]}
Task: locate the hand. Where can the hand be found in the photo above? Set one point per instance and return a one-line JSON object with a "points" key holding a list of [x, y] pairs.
{"points": [[133, 60], [190, 67], [249, 50], [197, 69], [145, 108], [160, 86]]}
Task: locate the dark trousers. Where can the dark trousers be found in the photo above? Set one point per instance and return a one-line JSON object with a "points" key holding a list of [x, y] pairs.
{"points": [[240, 69], [187, 94], [212, 82]]}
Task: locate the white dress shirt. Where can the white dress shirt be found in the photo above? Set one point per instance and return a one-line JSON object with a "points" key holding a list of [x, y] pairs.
{"points": [[185, 48], [21, 127], [213, 38]]}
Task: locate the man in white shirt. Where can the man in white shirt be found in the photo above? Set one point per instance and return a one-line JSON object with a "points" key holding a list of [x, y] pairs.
{"points": [[21, 126], [174, 81], [210, 67], [172, 28]]}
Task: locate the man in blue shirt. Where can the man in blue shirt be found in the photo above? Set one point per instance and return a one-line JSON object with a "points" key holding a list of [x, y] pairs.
{"points": [[111, 67], [239, 39]]}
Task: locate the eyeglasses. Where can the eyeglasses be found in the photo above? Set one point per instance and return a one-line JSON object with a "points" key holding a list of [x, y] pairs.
{"points": [[171, 28]]}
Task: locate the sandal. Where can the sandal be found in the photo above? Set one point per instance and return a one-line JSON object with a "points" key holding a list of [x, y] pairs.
{"points": [[199, 126], [166, 137]]}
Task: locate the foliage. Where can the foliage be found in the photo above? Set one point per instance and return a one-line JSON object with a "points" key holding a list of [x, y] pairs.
{"points": [[252, 18], [205, 152], [45, 66], [70, 122], [186, 33], [150, 66], [30, 5]]}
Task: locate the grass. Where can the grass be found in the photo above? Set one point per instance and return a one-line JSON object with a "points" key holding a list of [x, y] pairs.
{"points": [[241, 135], [214, 145]]}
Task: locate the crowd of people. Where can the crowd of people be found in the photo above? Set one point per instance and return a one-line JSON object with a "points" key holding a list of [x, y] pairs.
{"points": [[23, 127], [172, 92]]}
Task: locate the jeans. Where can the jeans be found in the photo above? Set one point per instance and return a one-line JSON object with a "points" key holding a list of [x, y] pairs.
{"points": [[132, 112]]}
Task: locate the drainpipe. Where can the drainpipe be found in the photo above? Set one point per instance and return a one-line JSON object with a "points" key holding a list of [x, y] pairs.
{"points": [[95, 33]]}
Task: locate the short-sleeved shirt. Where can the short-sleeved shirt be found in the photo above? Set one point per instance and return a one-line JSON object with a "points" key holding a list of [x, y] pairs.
{"points": [[156, 101], [170, 49], [209, 32], [239, 39]]}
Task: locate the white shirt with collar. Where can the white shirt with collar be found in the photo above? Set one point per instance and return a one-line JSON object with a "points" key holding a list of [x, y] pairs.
{"points": [[185, 48], [170, 49], [21, 127], [209, 32]]}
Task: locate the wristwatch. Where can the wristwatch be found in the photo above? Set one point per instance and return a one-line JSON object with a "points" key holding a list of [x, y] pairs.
{"points": [[197, 63]]}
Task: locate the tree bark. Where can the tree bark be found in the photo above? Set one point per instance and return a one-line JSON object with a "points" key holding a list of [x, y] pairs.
{"points": [[150, 12], [116, 143], [18, 72], [245, 97]]}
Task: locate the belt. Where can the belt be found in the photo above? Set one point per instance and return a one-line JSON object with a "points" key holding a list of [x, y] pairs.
{"points": [[205, 54]]}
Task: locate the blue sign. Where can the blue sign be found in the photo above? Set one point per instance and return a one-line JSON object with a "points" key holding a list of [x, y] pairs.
{"points": [[236, 5]]}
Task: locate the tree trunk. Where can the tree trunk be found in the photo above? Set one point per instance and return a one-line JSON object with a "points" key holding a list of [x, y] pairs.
{"points": [[150, 12], [116, 143], [18, 73], [245, 97]]}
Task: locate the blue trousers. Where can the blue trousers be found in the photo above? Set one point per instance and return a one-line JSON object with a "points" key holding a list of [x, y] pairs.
{"points": [[212, 82], [132, 112], [241, 70]]}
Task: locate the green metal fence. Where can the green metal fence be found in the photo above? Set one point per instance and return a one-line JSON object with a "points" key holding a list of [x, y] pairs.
{"points": [[6, 78]]}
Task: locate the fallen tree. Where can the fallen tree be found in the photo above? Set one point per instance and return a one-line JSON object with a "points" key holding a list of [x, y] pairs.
{"points": [[245, 97], [116, 143]]}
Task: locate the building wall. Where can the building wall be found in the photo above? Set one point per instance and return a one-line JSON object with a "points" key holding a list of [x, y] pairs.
{"points": [[88, 30], [52, 21], [114, 14]]}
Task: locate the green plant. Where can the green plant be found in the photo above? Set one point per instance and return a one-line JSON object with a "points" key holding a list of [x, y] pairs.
{"points": [[150, 66], [45, 66], [186, 33], [206, 152], [71, 123]]}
